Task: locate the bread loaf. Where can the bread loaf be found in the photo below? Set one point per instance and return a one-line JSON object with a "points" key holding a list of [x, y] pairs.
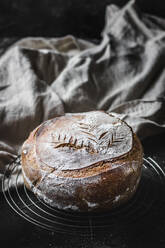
{"points": [[83, 162]]}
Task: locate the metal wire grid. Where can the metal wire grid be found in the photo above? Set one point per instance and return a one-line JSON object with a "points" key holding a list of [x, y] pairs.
{"points": [[31, 208]]}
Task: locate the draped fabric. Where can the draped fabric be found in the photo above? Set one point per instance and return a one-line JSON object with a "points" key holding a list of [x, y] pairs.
{"points": [[41, 78]]}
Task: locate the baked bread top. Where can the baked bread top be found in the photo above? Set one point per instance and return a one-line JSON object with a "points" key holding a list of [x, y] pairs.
{"points": [[77, 141]]}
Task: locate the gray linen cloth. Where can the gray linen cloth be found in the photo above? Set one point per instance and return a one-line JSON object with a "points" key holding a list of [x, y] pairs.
{"points": [[41, 78]]}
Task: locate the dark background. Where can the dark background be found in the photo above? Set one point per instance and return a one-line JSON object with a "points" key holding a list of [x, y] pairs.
{"points": [[82, 18]]}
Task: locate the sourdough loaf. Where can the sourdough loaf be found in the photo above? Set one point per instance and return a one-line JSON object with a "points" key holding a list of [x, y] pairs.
{"points": [[83, 162]]}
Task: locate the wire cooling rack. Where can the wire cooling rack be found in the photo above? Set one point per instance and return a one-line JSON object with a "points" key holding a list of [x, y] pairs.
{"points": [[31, 208]]}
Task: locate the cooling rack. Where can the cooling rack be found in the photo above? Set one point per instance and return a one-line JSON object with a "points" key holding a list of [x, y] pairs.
{"points": [[34, 210]]}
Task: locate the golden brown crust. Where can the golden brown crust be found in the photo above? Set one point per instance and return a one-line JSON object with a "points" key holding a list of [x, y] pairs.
{"points": [[101, 186]]}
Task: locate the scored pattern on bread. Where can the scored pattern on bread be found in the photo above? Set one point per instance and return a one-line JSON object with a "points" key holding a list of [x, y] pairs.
{"points": [[76, 141], [102, 141]]}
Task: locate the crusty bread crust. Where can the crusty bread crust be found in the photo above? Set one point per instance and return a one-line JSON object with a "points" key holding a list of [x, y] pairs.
{"points": [[101, 186]]}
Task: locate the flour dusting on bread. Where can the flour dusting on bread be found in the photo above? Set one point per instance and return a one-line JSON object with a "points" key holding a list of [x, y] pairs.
{"points": [[76, 141]]}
